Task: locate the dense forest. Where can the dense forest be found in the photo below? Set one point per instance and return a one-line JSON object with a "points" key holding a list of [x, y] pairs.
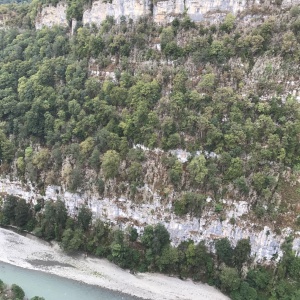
{"points": [[196, 93], [220, 91]]}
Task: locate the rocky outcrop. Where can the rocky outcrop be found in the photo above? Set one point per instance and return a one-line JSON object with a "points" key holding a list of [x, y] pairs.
{"points": [[52, 15], [121, 211], [161, 11], [131, 9]]}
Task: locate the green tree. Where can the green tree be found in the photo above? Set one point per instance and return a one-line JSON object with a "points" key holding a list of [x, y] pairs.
{"points": [[190, 202], [6, 148], [235, 169], [155, 238], [168, 260], [84, 217], [133, 234], [230, 279], [242, 252], [207, 83], [167, 36], [22, 213], [197, 169], [135, 172], [224, 251], [110, 163], [18, 293], [54, 220], [258, 278], [228, 23], [175, 173], [2, 286], [72, 240], [9, 212]]}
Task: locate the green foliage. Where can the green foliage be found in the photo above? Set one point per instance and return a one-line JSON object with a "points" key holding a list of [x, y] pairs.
{"points": [[110, 163], [49, 101], [9, 209], [72, 240], [18, 292], [75, 179], [75, 9], [197, 169], [133, 234], [228, 23], [245, 292], [54, 221], [168, 260], [135, 173], [218, 207], [6, 148], [242, 252], [175, 173], [230, 279], [295, 11], [21, 213], [52, 107], [167, 36], [21, 165], [235, 169], [259, 278], [208, 82], [190, 203], [100, 186], [224, 251], [154, 239], [84, 217]]}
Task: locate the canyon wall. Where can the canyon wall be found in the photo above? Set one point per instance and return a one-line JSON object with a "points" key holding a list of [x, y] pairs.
{"points": [[161, 11], [123, 212], [51, 15]]}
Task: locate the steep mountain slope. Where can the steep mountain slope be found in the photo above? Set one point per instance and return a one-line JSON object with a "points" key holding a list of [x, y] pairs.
{"points": [[192, 125]]}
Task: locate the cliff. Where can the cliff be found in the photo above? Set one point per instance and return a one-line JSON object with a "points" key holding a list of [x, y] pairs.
{"points": [[161, 11], [153, 204], [228, 91]]}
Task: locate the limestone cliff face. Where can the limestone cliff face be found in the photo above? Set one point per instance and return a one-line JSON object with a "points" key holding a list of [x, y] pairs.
{"points": [[50, 16], [152, 204], [131, 9], [121, 211], [161, 11]]}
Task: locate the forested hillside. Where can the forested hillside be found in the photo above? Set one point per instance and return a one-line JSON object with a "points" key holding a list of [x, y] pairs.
{"points": [[92, 96], [74, 107]]}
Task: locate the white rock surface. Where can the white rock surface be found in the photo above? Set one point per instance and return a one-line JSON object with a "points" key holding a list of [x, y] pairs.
{"points": [[162, 11], [131, 9], [123, 212], [52, 15]]}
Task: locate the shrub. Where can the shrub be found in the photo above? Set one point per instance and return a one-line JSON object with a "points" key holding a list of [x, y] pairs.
{"points": [[18, 292]]}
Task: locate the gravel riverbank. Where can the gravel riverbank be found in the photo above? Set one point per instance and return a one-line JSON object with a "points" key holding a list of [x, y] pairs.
{"points": [[38, 255]]}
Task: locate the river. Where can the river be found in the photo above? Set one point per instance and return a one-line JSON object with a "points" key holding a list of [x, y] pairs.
{"points": [[51, 287]]}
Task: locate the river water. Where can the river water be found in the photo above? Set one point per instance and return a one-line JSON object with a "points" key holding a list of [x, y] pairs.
{"points": [[52, 287]]}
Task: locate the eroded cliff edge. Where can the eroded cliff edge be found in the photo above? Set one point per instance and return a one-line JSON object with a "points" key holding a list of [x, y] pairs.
{"points": [[161, 11]]}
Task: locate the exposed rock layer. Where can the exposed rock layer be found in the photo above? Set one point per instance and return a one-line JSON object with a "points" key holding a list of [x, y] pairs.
{"points": [[161, 11], [123, 212]]}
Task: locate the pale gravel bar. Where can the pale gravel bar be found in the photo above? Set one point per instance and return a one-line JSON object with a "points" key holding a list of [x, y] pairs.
{"points": [[37, 255]]}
